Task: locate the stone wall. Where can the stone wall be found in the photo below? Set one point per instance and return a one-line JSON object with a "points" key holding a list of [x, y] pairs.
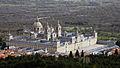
{"points": [[50, 49], [66, 48], [75, 46]]}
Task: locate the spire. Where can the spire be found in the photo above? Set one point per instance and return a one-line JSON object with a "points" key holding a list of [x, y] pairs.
{"points": [[37, 19], [46, 50], [48, 32], [94, 31], [47, 28], [9, 34], [77, 32], [47, 25], [58, 29], [58, 23], [51, 26]]}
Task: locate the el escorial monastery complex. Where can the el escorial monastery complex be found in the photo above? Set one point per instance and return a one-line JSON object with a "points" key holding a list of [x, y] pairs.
{"points": [[52, 39]]}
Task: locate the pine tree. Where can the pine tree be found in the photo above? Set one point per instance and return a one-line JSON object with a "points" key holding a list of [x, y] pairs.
{"points": [[82, 54], [77, 53], [71, 55], [2, 44], [118, 43], [1, 41], [116, 52], [86, 60]]}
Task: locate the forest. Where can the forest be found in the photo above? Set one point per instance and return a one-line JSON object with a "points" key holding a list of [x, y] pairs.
{"points": [[38, 61]]}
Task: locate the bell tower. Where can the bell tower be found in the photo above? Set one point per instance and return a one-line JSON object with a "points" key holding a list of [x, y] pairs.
{"points": [[77, 36], [95, 34], [58, 29], [48, 33], [10, 36]]}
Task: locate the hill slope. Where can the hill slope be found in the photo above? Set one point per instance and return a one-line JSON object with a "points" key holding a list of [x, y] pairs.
{"points": [[100, 13]]}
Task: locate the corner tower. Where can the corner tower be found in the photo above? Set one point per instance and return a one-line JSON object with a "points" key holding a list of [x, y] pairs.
{"points": [[48, 33], [58, 29], [95, 34], [78, 39]]}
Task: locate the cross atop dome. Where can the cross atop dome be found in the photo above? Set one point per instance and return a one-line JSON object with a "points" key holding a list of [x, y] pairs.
{"points": [[37, 20]]}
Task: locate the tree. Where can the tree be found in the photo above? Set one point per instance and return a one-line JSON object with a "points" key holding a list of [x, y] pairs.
{"points": [[71, 55], [118, 43], [116, 52], [2, 44], [77, 53], [82, 54], [1, 41], [86, 60]]}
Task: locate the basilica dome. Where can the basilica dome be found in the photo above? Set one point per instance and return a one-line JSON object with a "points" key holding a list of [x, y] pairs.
{"points": [[37, 24]]}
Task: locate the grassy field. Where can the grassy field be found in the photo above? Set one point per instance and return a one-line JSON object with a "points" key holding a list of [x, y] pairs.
{"points": [[108, 38]]}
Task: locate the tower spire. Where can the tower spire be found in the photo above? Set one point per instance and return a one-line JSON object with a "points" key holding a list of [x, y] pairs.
{"points": [[48, 34], [77, 31], [58, 29], [47, 25], [95, 33], [58, 22], [37, 19]]}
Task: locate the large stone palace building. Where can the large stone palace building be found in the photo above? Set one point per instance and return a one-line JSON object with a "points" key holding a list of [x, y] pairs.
{"points": [[52, 39]]}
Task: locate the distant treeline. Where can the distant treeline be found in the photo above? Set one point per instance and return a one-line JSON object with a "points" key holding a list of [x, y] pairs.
{"points": [[77, 23]]}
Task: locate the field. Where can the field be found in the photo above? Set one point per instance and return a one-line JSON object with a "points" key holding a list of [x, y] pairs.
{"points": [[108, 38]]}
